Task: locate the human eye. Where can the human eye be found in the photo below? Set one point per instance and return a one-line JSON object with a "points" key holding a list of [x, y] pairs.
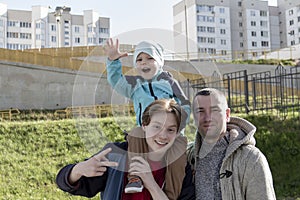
{"points": [[156, 126], [199, 110], [216, 109], [172, 130], [138, 59]]}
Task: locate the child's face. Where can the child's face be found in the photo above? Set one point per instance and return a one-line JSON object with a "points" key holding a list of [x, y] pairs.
{"points": [[146, 66]]}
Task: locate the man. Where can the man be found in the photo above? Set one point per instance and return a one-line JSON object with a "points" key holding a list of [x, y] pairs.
{"points": [[226, 162]]}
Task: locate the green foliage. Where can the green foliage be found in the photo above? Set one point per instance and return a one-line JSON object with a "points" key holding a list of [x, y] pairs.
{"points": [[288, 62], [33, 152], [280, 142]]}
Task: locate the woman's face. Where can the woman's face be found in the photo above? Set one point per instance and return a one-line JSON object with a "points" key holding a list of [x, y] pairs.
{"points": [[161, 132]]}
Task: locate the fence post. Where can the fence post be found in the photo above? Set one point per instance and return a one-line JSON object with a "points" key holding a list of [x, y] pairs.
{"points": [[246, 91], [254, 92], [228, 88]]}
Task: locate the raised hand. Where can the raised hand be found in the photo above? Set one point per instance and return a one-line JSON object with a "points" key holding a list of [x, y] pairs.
{"points": [[112, 50], [95, 166]]}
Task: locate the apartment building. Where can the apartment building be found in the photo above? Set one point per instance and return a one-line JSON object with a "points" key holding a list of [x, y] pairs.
{"points": [[235, 29], [43, 28], [289, 22]]}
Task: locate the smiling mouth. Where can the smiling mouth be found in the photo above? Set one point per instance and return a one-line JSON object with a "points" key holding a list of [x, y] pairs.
{"points": [[145, 70], [161, 143]]}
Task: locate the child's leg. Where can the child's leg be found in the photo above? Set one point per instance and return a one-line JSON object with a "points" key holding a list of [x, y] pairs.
{"points": [[137, 146]]}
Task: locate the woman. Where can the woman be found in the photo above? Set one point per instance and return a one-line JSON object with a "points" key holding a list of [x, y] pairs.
{"points": [[106, 172]]}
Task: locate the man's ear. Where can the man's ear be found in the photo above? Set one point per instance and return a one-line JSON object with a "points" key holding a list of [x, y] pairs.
{"points": [[227, 115]]}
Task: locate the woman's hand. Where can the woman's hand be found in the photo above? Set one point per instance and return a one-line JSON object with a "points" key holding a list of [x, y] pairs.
{"points": [[112, 50], [95, 166], [140, 167]]}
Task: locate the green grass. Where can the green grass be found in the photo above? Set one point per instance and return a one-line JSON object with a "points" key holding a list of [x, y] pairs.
{"points": [[33, 152]]}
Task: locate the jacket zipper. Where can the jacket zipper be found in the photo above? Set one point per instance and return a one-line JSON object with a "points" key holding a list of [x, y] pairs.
{"points": [[151, 91]]}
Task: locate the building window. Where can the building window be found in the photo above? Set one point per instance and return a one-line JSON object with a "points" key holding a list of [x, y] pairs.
{"points": [[76, 29], [223, 42], [264, 43], [77, 40], [252, 13], [201, 29], [53, 38], [103, 30], [253, 23], [211, 29], [264, 23], [201, 39], [102, 40], [239, 3], [223, 52], [25, 24], [240, 14], [253, 33], [38, 25], [210, 19], [254, 44], [12, 23], [292, 32], [12, 35], [38, 37], [241, 34], [222, 21], [222, 10], [211, 51], [240, 24], [211, 40], [291, 12], [222, 31], [263, 13], [291, 22], [53, 27], [264, 34], [25, 35], [90, 29], [293, 42]]}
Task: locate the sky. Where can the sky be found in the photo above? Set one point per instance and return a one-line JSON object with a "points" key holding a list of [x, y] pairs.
{"points": [[130, 20]]}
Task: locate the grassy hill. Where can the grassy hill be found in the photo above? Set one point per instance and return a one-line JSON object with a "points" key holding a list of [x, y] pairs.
{"points": [[33, 152]]}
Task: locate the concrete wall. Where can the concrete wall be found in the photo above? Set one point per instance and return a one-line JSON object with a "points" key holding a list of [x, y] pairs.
{"points": [[37, 87], [26, 86]]}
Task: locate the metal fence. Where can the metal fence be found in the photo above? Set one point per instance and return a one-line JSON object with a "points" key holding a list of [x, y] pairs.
{"points": [[259, 92]]}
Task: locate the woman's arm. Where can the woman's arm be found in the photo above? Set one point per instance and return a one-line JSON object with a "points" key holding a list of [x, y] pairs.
{"points": [[140, 167], [85, 178]]}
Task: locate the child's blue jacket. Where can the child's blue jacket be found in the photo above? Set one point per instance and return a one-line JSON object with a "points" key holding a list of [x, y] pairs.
{"points": [[143, 92]]}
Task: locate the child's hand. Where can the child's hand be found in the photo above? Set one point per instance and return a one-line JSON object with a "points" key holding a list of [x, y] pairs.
{"points": [[112, 51]]}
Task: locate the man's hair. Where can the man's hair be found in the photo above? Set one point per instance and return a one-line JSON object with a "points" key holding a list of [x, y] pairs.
{"points": [[212, 91], [167, 106]]}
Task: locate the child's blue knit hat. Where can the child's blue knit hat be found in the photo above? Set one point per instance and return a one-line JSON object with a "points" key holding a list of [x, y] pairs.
{"points": [[153, 49]]}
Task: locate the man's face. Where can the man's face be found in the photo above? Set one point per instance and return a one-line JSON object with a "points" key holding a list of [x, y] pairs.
{"points": [[211, 116]]}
